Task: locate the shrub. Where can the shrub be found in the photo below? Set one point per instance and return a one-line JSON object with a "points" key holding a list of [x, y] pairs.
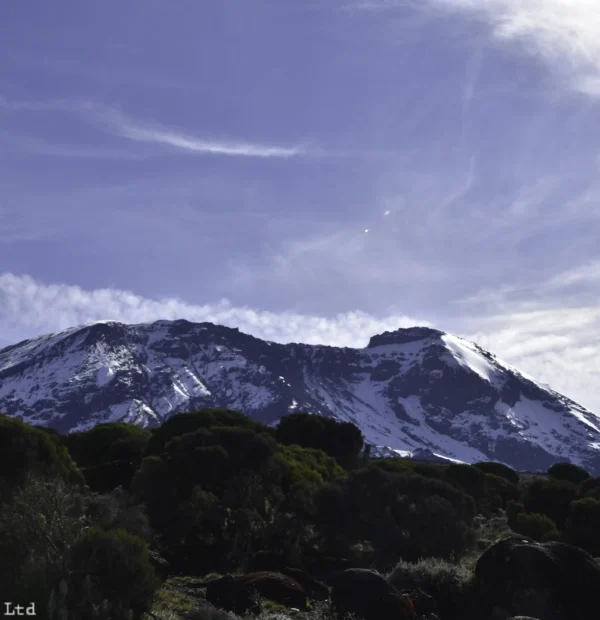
{"points": [[107, 442], [590, 488], [117, 567], [38, 526], [513, 509], [27, 451], [568, 472], [500, 470], [552, 498], [582, 525], [448, 583], [536, 526], [341, 440], [193, 421], [469, 478], [500, 486]]}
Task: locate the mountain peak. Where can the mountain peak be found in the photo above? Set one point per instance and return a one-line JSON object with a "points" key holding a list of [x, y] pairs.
{"points": [[404, 335]]}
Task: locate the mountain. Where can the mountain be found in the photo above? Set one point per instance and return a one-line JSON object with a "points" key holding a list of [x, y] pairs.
{"points": [[414, 392]]}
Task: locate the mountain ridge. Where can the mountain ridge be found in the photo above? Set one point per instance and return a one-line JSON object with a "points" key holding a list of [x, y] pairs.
{"points": [[414, 390]]}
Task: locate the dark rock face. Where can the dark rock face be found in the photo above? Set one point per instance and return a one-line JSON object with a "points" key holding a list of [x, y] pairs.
{"points": [[225, 593], [550, 581], [235, 592], [410, 389], [314, 588], [368, 595]]}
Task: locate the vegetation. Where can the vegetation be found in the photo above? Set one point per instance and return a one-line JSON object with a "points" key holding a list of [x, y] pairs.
{"points": [[91, 524]]}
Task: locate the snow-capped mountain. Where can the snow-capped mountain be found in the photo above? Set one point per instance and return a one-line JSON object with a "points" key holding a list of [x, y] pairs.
{"points": [[415, 391]]}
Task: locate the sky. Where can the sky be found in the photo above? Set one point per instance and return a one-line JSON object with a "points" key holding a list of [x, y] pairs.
{"points": [[308, 171]]}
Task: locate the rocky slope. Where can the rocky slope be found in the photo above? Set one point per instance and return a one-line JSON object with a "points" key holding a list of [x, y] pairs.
{"points": [[415, 391]]}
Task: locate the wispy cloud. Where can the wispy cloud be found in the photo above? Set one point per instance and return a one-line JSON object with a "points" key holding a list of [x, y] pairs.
{"points": [[29, 307], [544, 329], [126, 127], [563, 33], [117, 123]]}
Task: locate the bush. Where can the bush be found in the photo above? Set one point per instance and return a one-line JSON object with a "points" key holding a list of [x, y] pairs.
{"points": [[552, 498], [403, 515], [590, 488], [582, 525], [194, 420], [513, 510], [536, 526], [38, 526], [506, 491], [499, 469], [108, 442], [448, 583], [568, 472], [341, 440], [469, 478], [27, 451], [117, 568]]}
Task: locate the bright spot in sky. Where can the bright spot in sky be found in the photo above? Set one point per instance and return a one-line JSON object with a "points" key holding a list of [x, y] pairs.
{"points": [[387, 212], [366, 230]]}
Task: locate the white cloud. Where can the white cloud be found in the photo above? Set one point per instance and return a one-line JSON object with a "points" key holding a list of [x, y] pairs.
{"points": [[556, 345], [563, 33], [156, 134], [29, 307], [119, 124], [543, 329]]}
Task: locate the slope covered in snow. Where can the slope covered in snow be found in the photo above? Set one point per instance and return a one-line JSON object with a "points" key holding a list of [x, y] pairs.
{"points": [[412, 391]]}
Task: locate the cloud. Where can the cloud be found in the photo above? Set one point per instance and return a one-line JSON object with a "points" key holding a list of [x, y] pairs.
{"points": [[117, 123], [29, 307], [125, 127], [545, 329], [563, 33], [554, 344]]}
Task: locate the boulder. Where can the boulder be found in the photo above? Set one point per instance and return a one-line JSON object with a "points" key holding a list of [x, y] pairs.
{"points": [[276, 587], [424, 604], [225, 593], [550, 581], [315, 589], [368, 595]]}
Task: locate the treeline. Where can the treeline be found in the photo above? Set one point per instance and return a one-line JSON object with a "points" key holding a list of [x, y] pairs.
{"points": [[90, 521]]}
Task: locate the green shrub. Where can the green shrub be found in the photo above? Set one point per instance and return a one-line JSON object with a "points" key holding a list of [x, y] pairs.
{"points": [[505, 490], [26, 451], [108, 442], [499, 469], [469, 478], [117, 567], [195, 420], [341, 440], [552, 498], [590, 488], [568, 472], [513, 510], [536, 526], [448, 583], [582, 525]]}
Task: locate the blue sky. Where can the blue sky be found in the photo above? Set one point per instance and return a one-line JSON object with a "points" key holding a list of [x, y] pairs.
{"points": [[222, 161]]}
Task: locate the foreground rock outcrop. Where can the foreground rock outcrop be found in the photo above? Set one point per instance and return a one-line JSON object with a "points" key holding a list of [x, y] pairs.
{"points": [[547, 581]]}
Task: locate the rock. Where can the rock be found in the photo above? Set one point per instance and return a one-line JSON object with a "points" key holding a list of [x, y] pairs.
{"points": [[552, 580], [236, 592], [160, 565], [225, 593], [423, 603], [315, 589], [276, 587], [368, 595]]}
